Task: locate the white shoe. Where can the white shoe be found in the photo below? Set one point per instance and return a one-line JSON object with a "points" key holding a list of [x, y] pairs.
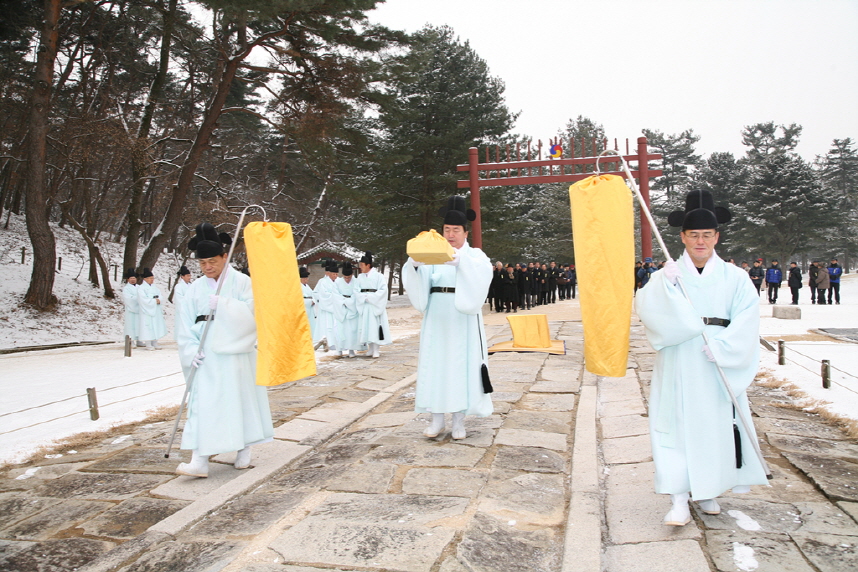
{"points": [[242, 458], [459, 426], [141, 344], [155, 346], [374, 350], [709, 506], [149, 347], [351, 353], [198, 467], [436, 426], [679, 514]]}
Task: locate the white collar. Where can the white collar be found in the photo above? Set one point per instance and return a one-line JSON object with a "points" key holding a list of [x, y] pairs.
{"points": [[707, 269]]}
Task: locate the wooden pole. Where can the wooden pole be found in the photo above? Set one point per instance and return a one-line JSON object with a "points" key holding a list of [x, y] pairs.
{"points": [[474, 175]]}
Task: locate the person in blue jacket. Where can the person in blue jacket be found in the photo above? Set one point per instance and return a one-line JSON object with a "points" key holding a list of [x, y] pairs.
{"points": [[834, 272], [774, 277], [645, 271]]}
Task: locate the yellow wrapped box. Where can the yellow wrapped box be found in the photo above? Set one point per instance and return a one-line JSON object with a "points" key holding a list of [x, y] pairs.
{"points": [[429, 247]]}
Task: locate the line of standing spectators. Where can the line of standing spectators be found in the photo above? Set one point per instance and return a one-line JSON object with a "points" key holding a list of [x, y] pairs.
{"points": [[824, 282], [523, 286]]}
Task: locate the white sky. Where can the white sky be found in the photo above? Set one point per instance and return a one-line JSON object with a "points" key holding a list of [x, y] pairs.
{"points": [[711, 65]]}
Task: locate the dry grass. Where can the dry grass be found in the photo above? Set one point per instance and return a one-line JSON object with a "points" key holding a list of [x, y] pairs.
{"points": [[803, 402], [93, 438]]}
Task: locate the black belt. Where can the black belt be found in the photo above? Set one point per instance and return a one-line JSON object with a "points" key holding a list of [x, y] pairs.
{"points": [[716, 322], [308, 297], [434, 289], [205, 318], [346, 296], [369, 290]]}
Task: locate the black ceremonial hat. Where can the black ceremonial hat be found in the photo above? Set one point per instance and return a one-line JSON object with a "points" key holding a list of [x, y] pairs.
{"points": [[183, 271], [367, 258], [700, 212], [347, 269], [303, 272], [131, 272], [207, 242], [147, 273], [456, 212], [331, 266]]}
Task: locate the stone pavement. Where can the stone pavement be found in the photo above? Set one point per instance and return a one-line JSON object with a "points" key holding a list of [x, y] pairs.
{"points": [[559, 479]]}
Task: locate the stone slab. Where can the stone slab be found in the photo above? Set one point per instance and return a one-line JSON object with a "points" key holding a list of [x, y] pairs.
{"points": [[138, 460], [844, 450], [786, 312], [444, 482], [772, 410], [634, 518], [508, 396], [835, 477], [548, 421], [55, 555], [618, 389], [300, 429], [339, 413], [245, 517], [531, 499], [431, 454], [621, 408], [635, 449], [15, 507], [564, 386], [560, 374], [191, 488], [530, 459], [387, 419], [305, 479], [829, 552], [753, 516], [131, 517], [372, 478], [758, 551], [99, 486], [583, 544], [353, 395], [186, 557], [851, 508], [372, 531], [632, 478], [335, 454], [825, 518], [525, 438], [56, 518], [548, 402], [684, 555], [797, 427], [490, 544], [624, 426]]}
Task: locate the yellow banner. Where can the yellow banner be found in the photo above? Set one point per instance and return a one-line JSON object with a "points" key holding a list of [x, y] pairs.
{"points": [[283, 330], [603, 234]]}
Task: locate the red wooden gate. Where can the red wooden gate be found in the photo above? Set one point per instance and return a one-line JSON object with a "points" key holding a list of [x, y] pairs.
{"points": [[515, 171]]}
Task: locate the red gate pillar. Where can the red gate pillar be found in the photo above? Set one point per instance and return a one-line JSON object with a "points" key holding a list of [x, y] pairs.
{"points": [[643, 186], [474, 178]]}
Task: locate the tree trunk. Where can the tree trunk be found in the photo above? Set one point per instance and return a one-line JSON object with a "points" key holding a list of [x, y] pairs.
{"points": [[173, 217], [140, 156], [40, 293]]}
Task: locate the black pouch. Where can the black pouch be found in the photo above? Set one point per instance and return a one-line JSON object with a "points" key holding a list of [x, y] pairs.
{"points": [[487, 384], [380, 333]]}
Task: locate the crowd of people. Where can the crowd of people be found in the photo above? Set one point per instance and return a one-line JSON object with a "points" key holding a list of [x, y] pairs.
{"points": [[529, 285], [823, 281]]}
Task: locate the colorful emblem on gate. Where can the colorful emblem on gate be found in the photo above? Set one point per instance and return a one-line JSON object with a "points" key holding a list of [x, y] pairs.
{"points": [[556, 151]]}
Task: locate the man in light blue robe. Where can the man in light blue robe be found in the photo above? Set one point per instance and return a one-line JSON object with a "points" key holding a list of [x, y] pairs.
{"points": [[329, 303], [183, 282], [227, 411], [151, 325], [452, 337], [132, 307], [309, 299], [371, 301], [347, 333], [691, 417]]}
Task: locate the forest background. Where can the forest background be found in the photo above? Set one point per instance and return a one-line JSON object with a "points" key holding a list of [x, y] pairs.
{"points": [[132, 121]]}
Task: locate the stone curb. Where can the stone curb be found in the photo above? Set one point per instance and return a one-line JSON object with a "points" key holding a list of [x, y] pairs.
{"points": [[582, 546], [183, 519]]}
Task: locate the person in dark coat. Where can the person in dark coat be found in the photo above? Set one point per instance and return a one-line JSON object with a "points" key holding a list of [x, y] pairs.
{"points": [[823, 283], [496, 287], [523, 286], [573, 282], [834, 272], [794, 281], [756, 274], [536, 289], [509, 287], [553, 274], [812, 275]]}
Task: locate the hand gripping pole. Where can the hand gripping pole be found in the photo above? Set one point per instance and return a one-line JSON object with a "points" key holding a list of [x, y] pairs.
{"points": [[190, 381], [645, 209]]}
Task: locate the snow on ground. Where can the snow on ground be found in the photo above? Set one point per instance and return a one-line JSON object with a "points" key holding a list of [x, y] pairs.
{"points": [[45, 391], [804, 356]]}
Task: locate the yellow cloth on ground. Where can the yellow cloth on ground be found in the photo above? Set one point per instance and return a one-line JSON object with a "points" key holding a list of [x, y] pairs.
{"points": [[603, 235], [285, 345], [529, 331], [429, 247], [530, 334]]}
